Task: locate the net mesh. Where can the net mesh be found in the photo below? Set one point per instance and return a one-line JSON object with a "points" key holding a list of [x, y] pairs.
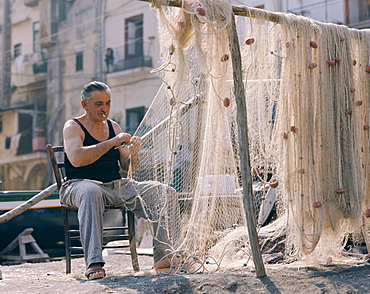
{"points": [[308, 116]]}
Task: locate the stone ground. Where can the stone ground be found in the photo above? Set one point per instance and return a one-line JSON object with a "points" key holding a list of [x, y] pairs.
{"points": [[50, 277]]}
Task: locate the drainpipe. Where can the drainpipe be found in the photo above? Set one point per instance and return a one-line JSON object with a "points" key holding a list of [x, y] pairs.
{"points": [[101, 38], [346, 12], [279, 5], [6, 56]]}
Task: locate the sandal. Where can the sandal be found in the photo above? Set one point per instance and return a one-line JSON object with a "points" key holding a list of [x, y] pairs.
{"points": [[95, 273], [164, 270]]}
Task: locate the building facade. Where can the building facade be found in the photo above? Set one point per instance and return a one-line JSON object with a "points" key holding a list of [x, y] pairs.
{"points": [[51, 48], [23, 98]]}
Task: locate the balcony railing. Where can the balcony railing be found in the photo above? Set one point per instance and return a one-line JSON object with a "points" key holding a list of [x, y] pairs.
{"points": [[40, 68], [116, 59], [129, 63], [38, 61], [31, 3]]}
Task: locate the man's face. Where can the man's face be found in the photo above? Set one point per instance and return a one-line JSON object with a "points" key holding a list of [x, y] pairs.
{"points": [[98, 107]]}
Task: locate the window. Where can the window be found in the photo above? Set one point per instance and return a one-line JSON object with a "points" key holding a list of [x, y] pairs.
{"points": [[134, 37], [79, 61], [133, 118], [36, 37], [25, 121], [62, 10], [364, 9], [17, 50]]}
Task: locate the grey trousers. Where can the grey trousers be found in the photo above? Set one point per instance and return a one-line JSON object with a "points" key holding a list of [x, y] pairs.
{"points": [[151, 200]]}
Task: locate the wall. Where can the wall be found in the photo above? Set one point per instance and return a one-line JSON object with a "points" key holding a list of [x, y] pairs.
{"points": [[22, 33], [135, 87]]}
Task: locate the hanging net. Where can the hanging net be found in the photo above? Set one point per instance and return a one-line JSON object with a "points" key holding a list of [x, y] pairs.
{"points": [[308, 133]]}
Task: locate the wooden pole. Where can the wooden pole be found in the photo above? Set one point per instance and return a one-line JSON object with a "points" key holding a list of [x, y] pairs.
{"points": [[241, 117], [30, 202], [240, 10], [346, 12], [239, 94]]}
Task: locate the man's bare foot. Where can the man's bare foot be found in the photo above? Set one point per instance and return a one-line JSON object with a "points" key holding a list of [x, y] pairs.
{"points": [[95, 271], [167, 263]]}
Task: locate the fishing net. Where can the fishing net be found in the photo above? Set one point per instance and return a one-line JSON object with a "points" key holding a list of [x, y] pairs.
{"points": [[308, 130]]}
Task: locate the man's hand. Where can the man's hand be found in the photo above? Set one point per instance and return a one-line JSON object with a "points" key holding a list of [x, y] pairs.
{"points": [[136, 145], [122, 138], [130, 155]]}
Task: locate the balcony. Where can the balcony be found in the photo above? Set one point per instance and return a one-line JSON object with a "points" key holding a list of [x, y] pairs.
{"points": [[40, 68], [42, 65], [130, 63], [31, 3], [117, 60]]}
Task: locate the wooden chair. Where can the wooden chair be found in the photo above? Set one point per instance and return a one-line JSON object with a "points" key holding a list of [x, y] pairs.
{"points": [[71, 236]]}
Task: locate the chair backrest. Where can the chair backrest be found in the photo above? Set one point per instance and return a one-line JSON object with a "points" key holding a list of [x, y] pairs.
{"points": [[57, 162]]}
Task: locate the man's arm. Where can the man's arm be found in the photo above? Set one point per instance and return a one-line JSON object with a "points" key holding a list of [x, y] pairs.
{"points": [[80, 155]]}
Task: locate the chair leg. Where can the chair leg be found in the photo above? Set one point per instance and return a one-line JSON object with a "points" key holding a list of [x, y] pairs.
{"points": [[132, 240], [67, 240]]}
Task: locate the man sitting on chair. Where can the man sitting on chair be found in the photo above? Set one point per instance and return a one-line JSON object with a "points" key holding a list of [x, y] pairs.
{"points": [[94, 146]]}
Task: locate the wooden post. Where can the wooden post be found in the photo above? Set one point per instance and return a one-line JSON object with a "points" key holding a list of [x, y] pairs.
{"points": [[239, 94], [241, 117]]}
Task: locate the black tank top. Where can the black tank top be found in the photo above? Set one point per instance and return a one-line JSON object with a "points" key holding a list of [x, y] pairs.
{"points": [[105, 169]]}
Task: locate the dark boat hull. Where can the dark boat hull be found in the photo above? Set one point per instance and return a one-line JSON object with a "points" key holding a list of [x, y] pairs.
{"points": [[46, 220]]}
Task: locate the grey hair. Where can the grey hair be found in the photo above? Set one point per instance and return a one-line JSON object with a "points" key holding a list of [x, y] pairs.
{"points": [[91, 87]]}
